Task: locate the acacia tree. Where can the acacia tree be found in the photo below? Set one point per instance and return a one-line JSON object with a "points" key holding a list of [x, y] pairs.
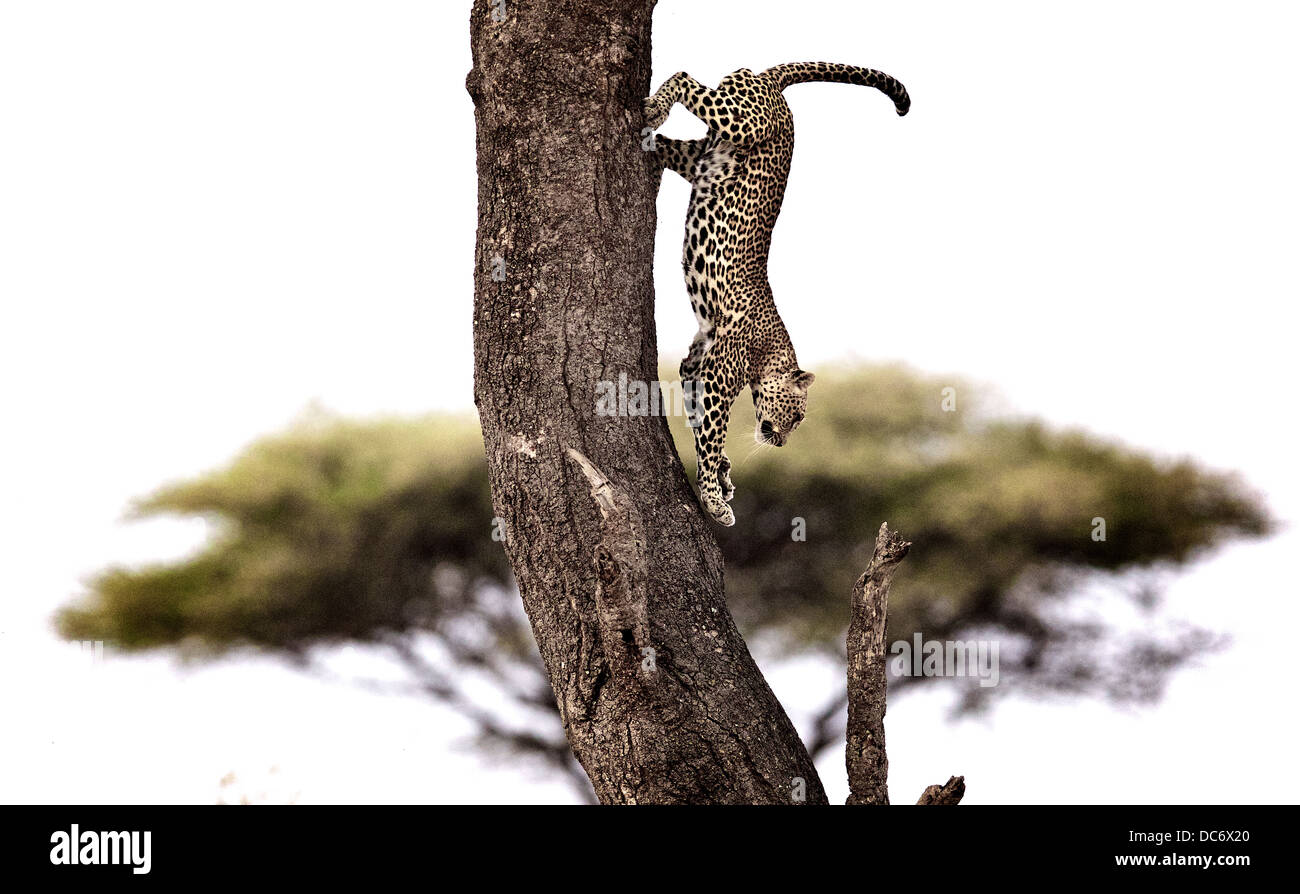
{"points": [[620, 573]]}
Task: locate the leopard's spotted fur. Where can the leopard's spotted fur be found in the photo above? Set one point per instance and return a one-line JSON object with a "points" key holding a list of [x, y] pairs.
{"points": [[738, 174]]}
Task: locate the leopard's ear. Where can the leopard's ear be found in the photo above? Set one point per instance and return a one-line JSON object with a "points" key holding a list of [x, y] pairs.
{"points": [[801, 379]]}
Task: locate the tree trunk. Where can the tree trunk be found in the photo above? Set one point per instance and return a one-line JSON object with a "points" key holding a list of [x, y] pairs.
{"points": [[620, 573]]}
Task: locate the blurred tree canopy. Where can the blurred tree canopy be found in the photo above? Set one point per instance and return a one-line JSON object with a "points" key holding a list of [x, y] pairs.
{"points": [[381, 532]]}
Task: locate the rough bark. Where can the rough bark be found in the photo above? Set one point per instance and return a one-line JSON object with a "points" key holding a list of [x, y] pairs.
{"points": [[948, 794], [864, 751], [865, 756], [619, 571]]}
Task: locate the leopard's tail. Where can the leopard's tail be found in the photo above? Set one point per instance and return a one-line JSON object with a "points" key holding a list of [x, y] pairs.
{"points": [[800, 72]]}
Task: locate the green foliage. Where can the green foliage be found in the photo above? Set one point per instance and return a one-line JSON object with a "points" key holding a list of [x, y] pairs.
{"points": [[331, 531], [988, 503], [341, 530]]}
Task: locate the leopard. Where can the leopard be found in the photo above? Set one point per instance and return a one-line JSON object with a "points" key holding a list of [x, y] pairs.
{"points": [[738, 175]]}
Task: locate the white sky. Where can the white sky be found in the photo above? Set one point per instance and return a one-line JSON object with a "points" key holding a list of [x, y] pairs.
{"points": [[214, 214]]}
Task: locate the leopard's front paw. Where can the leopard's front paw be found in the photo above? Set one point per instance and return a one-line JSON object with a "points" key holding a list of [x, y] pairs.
{"points": [[722, 514], [716, 506], [724, 479]]}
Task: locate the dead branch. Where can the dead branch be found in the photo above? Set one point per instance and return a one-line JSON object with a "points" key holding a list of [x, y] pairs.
{"points": [[865, 756]]}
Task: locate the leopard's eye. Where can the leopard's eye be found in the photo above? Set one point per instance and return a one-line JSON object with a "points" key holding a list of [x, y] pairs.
{"points": [[798, 417]]}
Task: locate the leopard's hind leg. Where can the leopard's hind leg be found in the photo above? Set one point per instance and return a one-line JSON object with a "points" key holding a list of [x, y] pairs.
{"points": [[740, 111], [682, 88]]}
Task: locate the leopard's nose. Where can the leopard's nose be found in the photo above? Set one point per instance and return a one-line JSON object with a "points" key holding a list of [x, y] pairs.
{"points": [[766, 429]]}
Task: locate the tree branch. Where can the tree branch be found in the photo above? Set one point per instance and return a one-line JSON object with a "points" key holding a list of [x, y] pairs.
{"points": [[949, 793], [865, 756], [865, 738]]}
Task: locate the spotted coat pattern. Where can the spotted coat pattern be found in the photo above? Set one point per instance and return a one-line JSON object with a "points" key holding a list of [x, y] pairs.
{"points": [[738, 175]]}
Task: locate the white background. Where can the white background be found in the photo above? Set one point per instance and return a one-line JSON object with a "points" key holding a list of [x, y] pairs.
{"points": [[215, 214]]}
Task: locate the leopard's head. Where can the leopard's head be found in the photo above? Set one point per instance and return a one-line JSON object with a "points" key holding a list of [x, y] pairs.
{"points": [[780, 401]]}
